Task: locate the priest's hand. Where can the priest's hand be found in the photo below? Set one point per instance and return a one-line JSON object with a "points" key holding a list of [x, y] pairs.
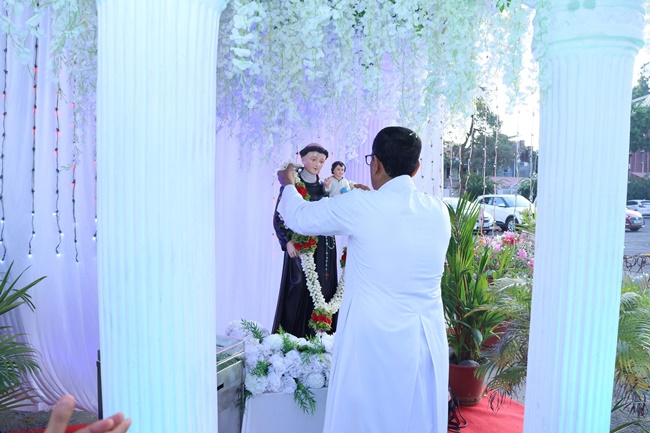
{"points": [[293, 253], [361, 186], [63, 411], [287, 176]]}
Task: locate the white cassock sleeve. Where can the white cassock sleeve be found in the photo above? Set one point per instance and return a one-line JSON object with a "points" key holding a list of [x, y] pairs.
{"points": [[326, 217]]}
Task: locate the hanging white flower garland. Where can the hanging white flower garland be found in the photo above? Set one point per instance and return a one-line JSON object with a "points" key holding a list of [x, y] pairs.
{"points": [[289, 67], [315, 288]]}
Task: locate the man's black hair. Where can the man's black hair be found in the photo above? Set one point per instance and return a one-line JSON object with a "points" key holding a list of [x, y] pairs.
{"points": [[398, 149]]}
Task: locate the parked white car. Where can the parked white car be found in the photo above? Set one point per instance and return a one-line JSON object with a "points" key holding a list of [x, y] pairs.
{"points": [[641, 206], [485, 217], [506, 208]]}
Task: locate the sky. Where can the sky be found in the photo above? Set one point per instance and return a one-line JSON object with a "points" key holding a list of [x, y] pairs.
{"points": [[523, 120]]}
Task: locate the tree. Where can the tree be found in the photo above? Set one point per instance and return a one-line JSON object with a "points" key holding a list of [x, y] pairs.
{"points": [[639, 128], [475, 185], [642, 87], [638, 188], [528, 188], [640, 114], [483, 145]]}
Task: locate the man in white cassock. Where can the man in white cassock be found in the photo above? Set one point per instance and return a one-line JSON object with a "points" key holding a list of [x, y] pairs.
{"points": [[390, 363]]}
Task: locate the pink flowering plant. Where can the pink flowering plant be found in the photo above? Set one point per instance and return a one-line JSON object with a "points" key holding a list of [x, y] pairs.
{"points": [[512, 253]]}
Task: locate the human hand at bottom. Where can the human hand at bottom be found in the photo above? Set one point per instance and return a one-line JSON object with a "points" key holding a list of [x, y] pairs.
{"points": [[63, 411]]}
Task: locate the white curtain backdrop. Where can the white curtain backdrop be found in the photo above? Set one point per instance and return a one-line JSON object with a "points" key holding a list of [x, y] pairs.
{"points": [[64, 327]]}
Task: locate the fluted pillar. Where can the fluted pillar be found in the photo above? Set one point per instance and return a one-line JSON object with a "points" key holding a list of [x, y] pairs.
{"points": [[155, 204], [584, 138]]}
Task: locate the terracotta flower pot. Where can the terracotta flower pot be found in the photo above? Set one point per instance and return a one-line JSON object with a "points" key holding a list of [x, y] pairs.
{"points": [[493, 339], [465, 385]]}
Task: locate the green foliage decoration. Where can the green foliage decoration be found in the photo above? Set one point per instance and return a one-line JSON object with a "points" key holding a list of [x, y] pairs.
{"points": [[304, 397], [254, 329], [507, 361], [261, 368], [465, 286], [17, 358]]}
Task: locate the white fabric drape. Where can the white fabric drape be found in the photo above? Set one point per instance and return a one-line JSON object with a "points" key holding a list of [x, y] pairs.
{"points": [[64, 327]]}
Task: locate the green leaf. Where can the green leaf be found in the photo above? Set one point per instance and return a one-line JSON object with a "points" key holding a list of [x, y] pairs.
{"points": [[304, 397], [254, 329]]}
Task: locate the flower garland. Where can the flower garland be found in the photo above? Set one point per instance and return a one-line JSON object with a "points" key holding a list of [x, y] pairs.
{"points": [[303, 244], [321, 318]]}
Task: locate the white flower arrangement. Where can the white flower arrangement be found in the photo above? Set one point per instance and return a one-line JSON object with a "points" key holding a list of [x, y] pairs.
{"points": [[283, 363]]}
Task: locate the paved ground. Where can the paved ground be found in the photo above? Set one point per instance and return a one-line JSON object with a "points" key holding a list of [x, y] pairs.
{"points": [[638, 242]]}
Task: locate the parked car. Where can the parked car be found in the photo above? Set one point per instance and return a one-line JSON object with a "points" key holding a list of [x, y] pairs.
{"points": [[485, 216], [506, 208], [641, 206], [633, 220]]}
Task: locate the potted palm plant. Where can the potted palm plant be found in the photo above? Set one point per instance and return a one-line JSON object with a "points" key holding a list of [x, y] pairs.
{"points": [[507, 361], [466, 293], [17, 358]]}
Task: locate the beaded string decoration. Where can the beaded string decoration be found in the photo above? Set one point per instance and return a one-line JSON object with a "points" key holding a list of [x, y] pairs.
{"points": [[2, 153], [35, 90], [57, 169]]}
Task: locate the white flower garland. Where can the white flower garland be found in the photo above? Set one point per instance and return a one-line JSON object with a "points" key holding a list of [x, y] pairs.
{"points": [[315, 289]]}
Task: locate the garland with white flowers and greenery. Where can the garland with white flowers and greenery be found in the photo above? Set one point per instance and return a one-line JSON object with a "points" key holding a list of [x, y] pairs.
{"points": [[288, 67], [321, 318], [282, 362]]}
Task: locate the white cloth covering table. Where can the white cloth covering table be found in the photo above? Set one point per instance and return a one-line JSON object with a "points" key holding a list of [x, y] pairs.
{"points": [[278, 413]]}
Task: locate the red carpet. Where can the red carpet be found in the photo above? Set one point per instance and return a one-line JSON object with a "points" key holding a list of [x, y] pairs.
{"points": [[481, 419], [71, 429]]}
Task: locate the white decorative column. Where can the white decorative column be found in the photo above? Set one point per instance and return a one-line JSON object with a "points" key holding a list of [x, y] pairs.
{"points": [[584, 139], [155, 161]]}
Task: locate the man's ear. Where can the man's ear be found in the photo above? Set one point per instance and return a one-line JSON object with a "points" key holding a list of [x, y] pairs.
{"points": [[417, 167], [379, 167]]}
